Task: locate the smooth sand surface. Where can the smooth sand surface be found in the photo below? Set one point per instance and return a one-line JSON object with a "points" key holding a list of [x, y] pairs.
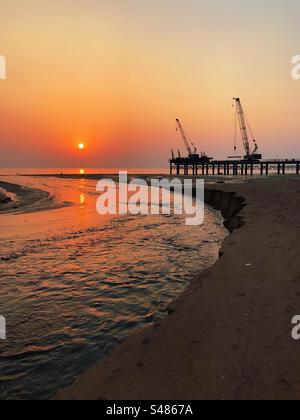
{"points": [[229, 335]]}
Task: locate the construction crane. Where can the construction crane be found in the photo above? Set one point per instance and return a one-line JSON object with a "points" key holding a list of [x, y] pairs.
{"points": [[185, 139], [244, 126], [175, 157], [192, 153]]}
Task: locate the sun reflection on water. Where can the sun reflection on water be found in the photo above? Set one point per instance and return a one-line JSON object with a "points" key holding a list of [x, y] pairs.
{"points": [[82, 198]]}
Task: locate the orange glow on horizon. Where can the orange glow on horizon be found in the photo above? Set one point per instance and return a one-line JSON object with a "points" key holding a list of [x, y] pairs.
{"points": [[112, 99]]}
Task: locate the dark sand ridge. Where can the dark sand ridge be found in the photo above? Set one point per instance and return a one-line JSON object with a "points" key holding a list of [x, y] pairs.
{"points": [[17, 198], [4, 199], [229, 335]]}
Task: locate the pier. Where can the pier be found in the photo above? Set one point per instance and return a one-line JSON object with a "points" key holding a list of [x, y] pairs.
{"points": [[196, 167]]}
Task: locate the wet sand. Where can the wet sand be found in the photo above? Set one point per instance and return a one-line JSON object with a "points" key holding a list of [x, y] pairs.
{"points": [[229, 336]]}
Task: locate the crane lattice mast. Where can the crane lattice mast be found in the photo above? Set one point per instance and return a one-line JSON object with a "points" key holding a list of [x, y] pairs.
{"points": [[184, 136], [244, 126]]}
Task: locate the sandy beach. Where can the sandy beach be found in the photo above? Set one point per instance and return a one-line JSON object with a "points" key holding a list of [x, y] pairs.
{"points": [[229, 336]]}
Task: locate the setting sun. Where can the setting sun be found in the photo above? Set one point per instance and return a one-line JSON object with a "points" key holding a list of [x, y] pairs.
{"points": [[81, 146]]}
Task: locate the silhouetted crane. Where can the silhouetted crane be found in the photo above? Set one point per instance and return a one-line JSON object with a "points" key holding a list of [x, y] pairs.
{"points": [[244, 126]]}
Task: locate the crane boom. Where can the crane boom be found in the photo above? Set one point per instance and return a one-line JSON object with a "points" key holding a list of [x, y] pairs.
{"points": [[243, 127], [244, 132], [184, 136]]}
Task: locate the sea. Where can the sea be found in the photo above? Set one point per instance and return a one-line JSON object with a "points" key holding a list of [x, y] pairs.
{"points": [[75, 284]]}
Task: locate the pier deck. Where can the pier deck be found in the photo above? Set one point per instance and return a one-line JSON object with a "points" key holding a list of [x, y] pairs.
{"points": [[187, 166]]}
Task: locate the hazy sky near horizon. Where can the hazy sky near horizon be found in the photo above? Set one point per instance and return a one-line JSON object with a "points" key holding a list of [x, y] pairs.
{"points": [[115, 74]]}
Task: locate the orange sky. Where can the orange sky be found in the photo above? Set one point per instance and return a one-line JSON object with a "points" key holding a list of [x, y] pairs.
{"points": [[116, 73]]}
